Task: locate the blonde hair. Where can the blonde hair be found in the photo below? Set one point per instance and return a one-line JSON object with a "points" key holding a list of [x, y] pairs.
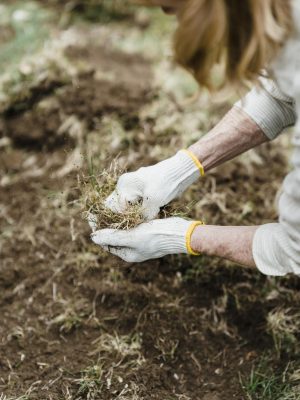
{"points": [[242, 36]]}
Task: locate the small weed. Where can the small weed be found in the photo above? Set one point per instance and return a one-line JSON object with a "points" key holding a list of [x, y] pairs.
{"points": [[71, 317], [91, 383], [167, 348]]}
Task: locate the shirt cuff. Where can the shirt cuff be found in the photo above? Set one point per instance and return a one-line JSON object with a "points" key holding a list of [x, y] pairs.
{"points": [[272, 110], [271, 249]]}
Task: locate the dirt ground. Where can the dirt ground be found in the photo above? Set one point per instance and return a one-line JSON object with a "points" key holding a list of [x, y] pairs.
{"points": [[80, 324]]}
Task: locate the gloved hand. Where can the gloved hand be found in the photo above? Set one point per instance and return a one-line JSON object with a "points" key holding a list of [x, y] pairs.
{"points": [[156, 185], [149, 240]]}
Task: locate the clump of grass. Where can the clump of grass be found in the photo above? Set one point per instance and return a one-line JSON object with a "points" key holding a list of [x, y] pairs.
{"points": [[284, 325], [96, 188], [125, 350]]}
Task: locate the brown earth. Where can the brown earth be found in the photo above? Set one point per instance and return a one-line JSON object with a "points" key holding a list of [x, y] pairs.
{"points": [[199, 323]]}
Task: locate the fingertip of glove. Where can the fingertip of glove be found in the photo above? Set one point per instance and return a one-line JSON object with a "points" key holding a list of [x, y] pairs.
{"points": [[107, 237], [94, 238], [98, 238]]}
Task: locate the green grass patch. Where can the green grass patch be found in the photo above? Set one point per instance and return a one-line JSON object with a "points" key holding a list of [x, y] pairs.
{"points": [[266, 383]]}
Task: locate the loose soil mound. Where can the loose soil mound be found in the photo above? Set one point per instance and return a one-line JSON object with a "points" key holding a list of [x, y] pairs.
{"points": [[37, 121]]}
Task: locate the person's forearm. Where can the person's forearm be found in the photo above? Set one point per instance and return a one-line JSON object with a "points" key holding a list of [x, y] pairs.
{"points": [[233, 243], [233, 135]]}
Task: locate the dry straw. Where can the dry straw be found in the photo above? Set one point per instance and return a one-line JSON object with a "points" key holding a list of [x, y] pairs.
{"points": [[96, 188]]}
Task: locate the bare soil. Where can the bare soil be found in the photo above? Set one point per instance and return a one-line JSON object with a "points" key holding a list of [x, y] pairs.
{"points": [[200, 323]]}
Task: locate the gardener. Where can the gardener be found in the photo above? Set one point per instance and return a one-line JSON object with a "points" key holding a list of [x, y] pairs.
{"points": [[255, 40]]}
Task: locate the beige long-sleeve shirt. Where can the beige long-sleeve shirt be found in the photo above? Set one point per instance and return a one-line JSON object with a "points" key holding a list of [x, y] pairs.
{"points": [[276, 247]]}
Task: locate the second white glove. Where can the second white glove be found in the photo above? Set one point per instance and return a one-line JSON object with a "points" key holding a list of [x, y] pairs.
{"points": [[149, 240]]}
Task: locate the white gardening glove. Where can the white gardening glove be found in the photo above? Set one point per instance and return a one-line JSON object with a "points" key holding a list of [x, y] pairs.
{"points": [[156, 185], [149, 240]]}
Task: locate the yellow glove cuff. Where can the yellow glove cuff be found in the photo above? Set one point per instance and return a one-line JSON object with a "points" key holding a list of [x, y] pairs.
{"points": [[189, 235], [196, 161]]}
